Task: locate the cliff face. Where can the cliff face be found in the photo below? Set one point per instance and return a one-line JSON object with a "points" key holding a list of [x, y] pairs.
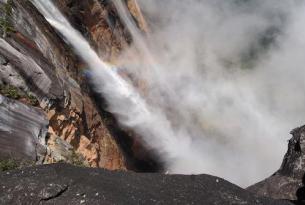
{"points": [[36, 60], [22, 131], [98, 21], [289, 181], [49, 113]]}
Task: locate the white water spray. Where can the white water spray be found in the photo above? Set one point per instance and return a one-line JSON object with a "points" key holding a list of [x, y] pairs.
{"points": [[199, 117], [124, 101], [227, 73]]}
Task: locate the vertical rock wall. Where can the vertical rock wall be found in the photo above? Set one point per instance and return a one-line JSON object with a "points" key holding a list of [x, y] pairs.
{"points": [[38, 61]]}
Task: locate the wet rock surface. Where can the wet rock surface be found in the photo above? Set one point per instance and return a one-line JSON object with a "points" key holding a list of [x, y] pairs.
{"points": [[65, 184], [289, 181]]}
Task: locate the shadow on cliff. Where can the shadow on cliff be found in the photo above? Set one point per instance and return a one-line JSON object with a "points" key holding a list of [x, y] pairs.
{"points": [[300, 194], [137, 157]]}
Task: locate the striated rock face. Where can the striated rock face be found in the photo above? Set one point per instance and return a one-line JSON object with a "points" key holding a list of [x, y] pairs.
{"points": [[35, 59], [64, 184], [23, 131], [136, 13], [289, 181], [98, 21]]}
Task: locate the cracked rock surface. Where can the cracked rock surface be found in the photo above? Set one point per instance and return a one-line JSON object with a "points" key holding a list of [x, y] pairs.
{"points": [[66, 184]]}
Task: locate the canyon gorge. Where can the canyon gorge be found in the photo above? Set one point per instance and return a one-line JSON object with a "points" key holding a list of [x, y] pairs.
{"points": [[145, 101]]}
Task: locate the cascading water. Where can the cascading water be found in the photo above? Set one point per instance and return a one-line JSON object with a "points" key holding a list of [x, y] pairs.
{"points": [[227, 73], [199, 113], [124, 101]]}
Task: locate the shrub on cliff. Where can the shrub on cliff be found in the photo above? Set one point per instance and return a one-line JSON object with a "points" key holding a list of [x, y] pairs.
{"points": [[8, 164], [5, 24]]}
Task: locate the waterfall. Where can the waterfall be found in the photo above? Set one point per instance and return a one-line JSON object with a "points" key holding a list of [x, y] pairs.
{"points": [[203, 112], [123, 100]]}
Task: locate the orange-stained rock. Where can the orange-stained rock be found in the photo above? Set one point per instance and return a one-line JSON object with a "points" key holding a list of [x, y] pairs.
{"points": [[89, 150], [101, 25], [43, 64], [135, 11], [88, 135], [99, 21]]}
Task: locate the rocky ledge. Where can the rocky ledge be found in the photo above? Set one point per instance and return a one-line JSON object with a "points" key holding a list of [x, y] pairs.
{"points": [[289, 181], [66, 184]]}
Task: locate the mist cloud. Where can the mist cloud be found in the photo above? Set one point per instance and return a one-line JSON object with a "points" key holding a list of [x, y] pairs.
{"points": [[221, 82], [229, 78]]}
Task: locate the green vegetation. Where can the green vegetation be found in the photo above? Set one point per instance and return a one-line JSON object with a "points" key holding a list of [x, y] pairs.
{"points": [[8, 8], [17, 94], [5, 24], [10, 92], [77, 159], [11, 164], [8, 164], [33, 100]]}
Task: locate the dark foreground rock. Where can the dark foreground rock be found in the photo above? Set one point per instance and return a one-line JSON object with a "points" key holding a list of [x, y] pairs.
{"points": [[66, 184], [288, 182]]}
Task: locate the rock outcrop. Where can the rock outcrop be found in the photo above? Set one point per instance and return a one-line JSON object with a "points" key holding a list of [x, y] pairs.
{"points": [[289, 181], [65, 184]]}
